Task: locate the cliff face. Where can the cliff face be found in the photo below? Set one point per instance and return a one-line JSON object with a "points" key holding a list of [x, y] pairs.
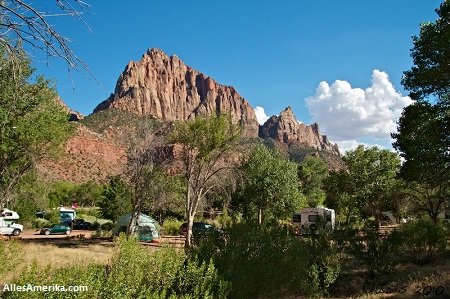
{"points": [[168, 89], [285, 128]]}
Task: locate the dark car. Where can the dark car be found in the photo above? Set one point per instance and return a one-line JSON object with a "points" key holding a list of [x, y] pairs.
{"points": [[81, 224], [56, 229], [200, 229]]}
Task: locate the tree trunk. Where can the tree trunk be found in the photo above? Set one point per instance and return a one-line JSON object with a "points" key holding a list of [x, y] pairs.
{"points": [[190, 223], [260, 216], [434, 217], [190, 220]]}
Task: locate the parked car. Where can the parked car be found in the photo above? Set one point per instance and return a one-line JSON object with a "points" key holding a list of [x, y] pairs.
{"points": [[81, 224], [56, 229], [200, 229]]}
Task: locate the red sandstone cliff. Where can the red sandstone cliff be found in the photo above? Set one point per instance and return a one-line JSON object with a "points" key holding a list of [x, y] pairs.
{"points": [[285, 128], [168, 89]]}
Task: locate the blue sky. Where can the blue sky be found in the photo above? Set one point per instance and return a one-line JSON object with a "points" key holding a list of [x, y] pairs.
{"points": [[275, 53]]}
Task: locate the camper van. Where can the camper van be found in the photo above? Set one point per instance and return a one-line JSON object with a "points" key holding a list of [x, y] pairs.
{"points": [[310, 219]]}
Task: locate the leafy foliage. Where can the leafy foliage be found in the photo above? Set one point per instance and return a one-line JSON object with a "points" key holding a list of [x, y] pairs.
{"points": [[424, 239], [270, 187], [32, 127], [262, 261], [378, 253], [423, 141], [204, 143], [311, 173], [431, 56], [116, 199], [134, 272], [371, 179], [423, 138]]}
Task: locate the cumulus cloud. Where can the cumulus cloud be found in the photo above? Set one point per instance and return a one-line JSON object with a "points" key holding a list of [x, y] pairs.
{"points": [[261, 116], [346, 114]]}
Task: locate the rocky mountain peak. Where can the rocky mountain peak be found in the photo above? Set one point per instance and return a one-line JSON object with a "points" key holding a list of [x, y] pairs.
{"points": [[166, 88], [287, 129]]}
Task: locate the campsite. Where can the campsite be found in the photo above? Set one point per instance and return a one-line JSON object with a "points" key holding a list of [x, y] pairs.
{"points": [[220, 150]]}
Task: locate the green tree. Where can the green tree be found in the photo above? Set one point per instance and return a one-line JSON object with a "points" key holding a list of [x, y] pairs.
{"points": [[204, 143], [270, 186], [431, 56], [423, 137], [86, 194], [341, 195], [32, 124], [166, 193], [116, 199], [372, 175], [59, 193], [423, 141], [312, 172]]}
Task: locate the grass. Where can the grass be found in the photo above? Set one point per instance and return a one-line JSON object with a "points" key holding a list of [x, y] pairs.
{"points": [[57, 257]]}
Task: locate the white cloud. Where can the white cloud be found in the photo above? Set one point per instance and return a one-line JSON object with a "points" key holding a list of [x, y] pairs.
{"points": [[346, 114], [347, 145], [261, 116]]}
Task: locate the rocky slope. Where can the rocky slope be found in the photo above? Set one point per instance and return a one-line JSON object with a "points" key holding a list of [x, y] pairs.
{"points": [[166, 88], [285, 128], [88, 156]]}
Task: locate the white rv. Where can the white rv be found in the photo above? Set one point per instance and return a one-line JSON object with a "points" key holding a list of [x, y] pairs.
{"points": [[9, 215], [310, 219]]}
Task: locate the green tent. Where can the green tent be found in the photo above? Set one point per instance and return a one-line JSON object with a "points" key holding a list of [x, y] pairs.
{"points": [[147, 227]]}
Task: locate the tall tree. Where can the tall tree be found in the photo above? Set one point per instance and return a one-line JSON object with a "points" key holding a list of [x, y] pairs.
{"points": [[372, 173], [431, 56], [341, 195], [312, 172], [32, 124], [423, 137], [270, 186], [204, 143], [116, 199], [423, 141]]}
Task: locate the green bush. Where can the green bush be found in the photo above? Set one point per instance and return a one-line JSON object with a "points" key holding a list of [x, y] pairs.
{"points": [[53, 216], [93, 212], [40, 223], [378, 253], [171, 226], [107, 226], [134, 272], [324, 262], [260, 261], [423, 240]]}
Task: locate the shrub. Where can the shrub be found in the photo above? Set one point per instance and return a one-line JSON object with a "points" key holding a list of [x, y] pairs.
{"points": [[40, 223], [107, 226], [423, 239], [134, 272], [171, 226], [93, 212], [324, 262], [259, 261], [378, 253]]}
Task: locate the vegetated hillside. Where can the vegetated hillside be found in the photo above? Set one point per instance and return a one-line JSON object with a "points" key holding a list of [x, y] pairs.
{"points": [[98, 148]]}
